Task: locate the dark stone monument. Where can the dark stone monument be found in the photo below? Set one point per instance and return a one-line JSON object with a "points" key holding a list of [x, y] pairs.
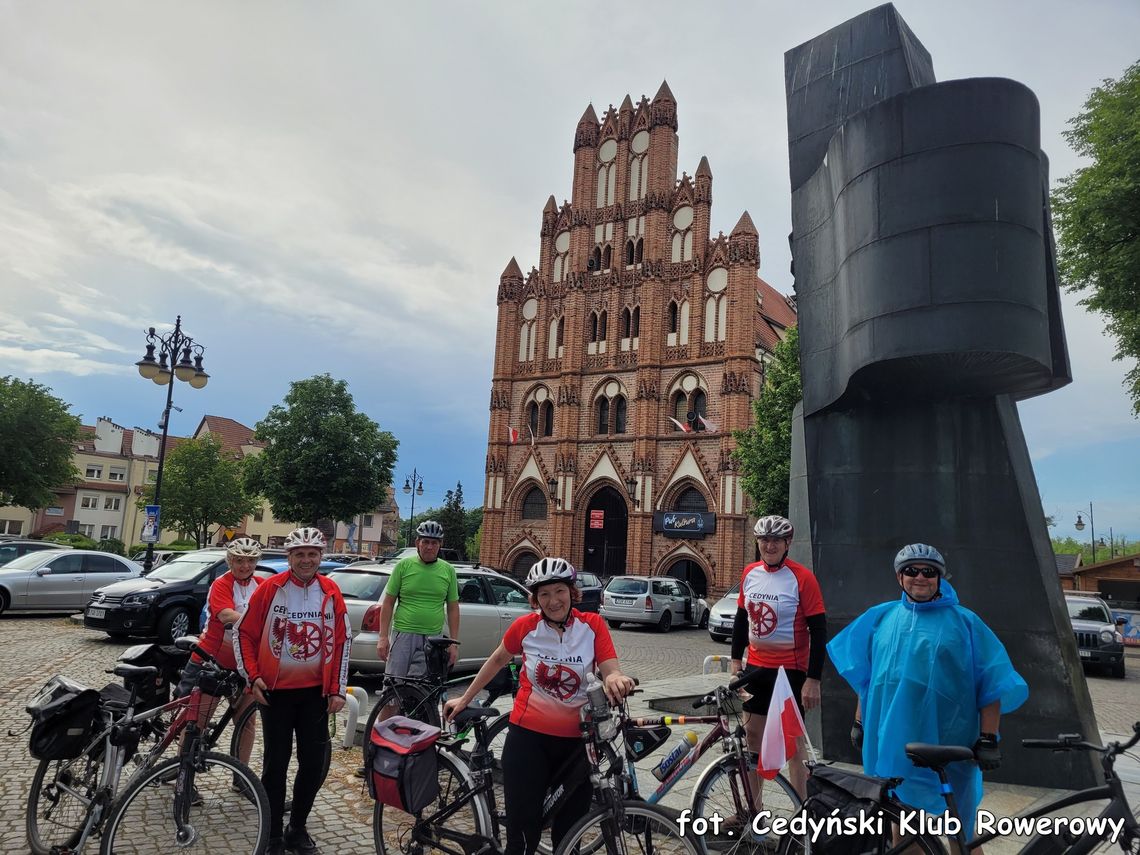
{"points": [[928, 303]]}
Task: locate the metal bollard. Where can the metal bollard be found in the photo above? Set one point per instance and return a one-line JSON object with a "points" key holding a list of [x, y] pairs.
{"points": [[719, 659], [354, 696]]}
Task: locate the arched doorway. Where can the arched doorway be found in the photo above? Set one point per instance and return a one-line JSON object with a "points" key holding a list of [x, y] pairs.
{"points": [[690, 571], [522, 563], [607, 525]]}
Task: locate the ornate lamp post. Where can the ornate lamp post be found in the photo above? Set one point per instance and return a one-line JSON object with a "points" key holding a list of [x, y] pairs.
{"points": [[1079, 525], [413, 485], [174, 345]]}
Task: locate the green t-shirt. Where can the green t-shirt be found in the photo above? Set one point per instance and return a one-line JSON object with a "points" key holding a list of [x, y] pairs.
{"points": [[420, 591]]}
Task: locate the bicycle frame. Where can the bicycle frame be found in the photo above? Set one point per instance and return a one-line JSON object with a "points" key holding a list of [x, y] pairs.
{"points": [[719, 733]]}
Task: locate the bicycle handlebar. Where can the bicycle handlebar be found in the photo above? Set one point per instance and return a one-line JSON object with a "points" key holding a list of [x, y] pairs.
{"points": [[1074, 742]]}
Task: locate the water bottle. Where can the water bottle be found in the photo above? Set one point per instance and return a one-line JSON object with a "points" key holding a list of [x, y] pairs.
{"points": [[596, 697], [683, 747]]}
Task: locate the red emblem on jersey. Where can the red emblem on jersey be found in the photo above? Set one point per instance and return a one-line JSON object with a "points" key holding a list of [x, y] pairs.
{"points": [[277, 635], [761, 618], [558, 681], [304, 640]]}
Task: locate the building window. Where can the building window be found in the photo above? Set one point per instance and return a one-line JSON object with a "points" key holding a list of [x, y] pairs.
{"points": [[611, 412], [635, 329], [603, 422], [87, 530], [117, 473], [548, 419], [607, 173], [11, 526], [619, 414], [152, 475], [680, 408], [691, 500], [94, 472], [683, 234], [112, 503], [108, 531], [561, 256], [368, 520], [532, 418], [89, 503], [677, 323], [259, 515], [638, 165], [554, 347], [53, 511], [671, 318], [699, 407], [534, 505], [526, 341], [626, 322]]}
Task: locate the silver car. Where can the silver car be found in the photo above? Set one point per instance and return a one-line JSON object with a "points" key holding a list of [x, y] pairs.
{"points": [[54, 580], [488, 604], [723, 615], [661, 601]]}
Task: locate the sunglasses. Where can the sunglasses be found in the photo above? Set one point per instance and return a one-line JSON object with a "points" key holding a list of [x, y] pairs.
{"points": [[925, 572]]}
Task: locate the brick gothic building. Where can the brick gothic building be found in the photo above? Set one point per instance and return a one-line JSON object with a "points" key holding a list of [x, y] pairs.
{"points": [[635, 315]]}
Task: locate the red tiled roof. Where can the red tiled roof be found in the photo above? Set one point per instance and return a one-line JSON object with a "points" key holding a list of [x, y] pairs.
{"points": [[774, 305], [232, 434]]}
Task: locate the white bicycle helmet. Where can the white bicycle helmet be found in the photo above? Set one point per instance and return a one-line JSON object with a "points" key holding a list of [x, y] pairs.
{"points": [[430, 529], [307, 536], [920, 553], [773, 526], [244, 547], [549, 570]]}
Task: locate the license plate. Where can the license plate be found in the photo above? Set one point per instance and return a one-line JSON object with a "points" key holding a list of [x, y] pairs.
{"points": [[96, 613], [624, 601], [1085, 654]]}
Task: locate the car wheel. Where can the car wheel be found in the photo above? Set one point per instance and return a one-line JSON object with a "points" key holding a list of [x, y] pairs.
{"points": [[666, 622], [704, 620], [173, 624], [3, 601], [613, 624]]}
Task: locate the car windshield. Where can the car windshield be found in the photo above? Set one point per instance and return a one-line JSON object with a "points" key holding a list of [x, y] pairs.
{"points": [[29, 560], [589, 580], [183, 568], [1078, 610], [359, 586], [626, 586]]}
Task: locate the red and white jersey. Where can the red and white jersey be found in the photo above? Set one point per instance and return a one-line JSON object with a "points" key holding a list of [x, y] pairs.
{"points": [[778, 602], [552, 686], [226, 593]]}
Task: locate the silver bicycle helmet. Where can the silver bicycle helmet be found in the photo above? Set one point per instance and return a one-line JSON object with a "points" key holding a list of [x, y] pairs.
{"points": [[920, 553], [307, 536], [244, 547], [773, 526], [430, 529], [549, 570]]}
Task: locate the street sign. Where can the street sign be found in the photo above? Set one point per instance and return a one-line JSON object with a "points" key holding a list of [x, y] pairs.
{"points": [[150, 526], [597, 519]]}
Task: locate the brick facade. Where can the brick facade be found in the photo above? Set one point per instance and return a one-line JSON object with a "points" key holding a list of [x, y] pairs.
{"points": [[653, 308]]}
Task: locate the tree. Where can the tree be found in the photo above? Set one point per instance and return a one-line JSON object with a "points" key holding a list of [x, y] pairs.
{"points": [[454, 521], [202, 487], [474, 544], [765, 449], [1096, 211], [408, 527], [323, 459], [37, 438]]}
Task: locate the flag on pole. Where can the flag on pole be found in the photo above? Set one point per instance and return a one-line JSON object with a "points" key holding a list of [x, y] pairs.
{"points": [[681, 425], [783, 725], [512, 435], [706, 424]]}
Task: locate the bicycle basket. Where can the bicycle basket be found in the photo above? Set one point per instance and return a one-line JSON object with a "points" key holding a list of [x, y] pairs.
{"points": [[400, 757], [643, 741], [839, 793], [65, 716]]}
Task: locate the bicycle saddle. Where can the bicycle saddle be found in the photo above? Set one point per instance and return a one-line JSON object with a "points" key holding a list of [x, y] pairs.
{"points": [[442, 640], [186, 642], [473, 713], [135, 672], [926, 756]]}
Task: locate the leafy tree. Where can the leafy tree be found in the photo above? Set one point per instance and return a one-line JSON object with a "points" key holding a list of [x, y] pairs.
{"points": [[323, 459], [454, 520], [37, 438], [474, 523], [112, 545], [408, 526], [765, 449], [475, 544], [79, 541], [1071, 546], [1097, 214], [202, 487]]}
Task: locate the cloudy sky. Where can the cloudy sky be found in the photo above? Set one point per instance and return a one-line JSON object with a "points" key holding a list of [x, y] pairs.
{"points": [[336, 187]]}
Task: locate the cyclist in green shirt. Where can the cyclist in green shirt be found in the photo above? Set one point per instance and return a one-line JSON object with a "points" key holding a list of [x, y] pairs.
{"points": [[419, 590]]}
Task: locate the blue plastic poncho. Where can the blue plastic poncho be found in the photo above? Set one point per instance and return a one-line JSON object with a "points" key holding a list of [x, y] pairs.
{"points": [[922, 672]]}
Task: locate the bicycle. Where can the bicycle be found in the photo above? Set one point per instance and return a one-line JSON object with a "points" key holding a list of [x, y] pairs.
{"points": [[465, 816], [1117, 818], [75, 800]]}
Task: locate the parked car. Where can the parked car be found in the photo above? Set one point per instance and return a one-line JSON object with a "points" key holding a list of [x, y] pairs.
{"points": [[1099, 641], [449, 555], [723, 615], [488, 604], [165, 603], [658, 600], [12, 548], [591, 587], [53, 580], [281, 564], [346, 557]]}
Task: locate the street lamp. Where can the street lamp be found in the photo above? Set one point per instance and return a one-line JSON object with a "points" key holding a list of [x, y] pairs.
{"points": [[631, 489], [413, 485], [171, 346], [1079, 525]]}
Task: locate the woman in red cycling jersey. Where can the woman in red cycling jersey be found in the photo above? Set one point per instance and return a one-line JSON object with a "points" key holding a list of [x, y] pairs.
{"points": [[560, 646]]}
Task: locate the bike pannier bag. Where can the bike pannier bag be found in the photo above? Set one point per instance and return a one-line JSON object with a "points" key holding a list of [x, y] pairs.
{"points": [[168, 660], [839, 793], [403, 771], [65, 716]]}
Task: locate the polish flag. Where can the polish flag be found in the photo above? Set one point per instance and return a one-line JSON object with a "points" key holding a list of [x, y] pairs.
{"points": [[706, 424], [681, 425], [783, 725], [512, 435]]}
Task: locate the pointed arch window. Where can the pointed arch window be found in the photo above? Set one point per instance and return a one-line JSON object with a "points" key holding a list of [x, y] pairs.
{"points": [[603, 413], [677, 323], [638, 165], [607, 172], [691, 500], [626, 322], [561, 256], [548, 419], [554, 347], [699, 405], [611, 409], [682, 234], [619, 414], [596, 259], [636, 325], [671, 317], [534, 505], [630, 252], [630, 328], [680, 408], [532, 418]]}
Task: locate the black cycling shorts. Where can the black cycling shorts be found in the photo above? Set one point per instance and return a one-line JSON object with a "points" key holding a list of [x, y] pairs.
{"points": [[765, 681]]}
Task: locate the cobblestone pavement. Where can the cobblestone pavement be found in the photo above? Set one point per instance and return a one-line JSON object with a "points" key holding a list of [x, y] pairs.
{"points": [[35, 648]]}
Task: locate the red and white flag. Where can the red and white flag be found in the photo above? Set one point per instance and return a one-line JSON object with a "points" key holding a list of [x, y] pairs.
{"points": [[512, 435], [681, 425], [531, 432], [706, 424], [783, 725]]}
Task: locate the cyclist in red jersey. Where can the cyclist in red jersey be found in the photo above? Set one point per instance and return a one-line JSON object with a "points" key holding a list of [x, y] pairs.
{"points": [[780, 619], [560, 646]]}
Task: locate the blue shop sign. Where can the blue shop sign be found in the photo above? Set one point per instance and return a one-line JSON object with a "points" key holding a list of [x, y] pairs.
{"points": [[684, 523]]}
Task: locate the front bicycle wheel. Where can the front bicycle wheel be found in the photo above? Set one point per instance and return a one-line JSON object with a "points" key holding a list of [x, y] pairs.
{"points": [[227, 811], [62, 792], [395, 832], [720, 790], [627, 828]]}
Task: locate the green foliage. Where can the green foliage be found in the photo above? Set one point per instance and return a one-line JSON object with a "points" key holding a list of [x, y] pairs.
{"points": [[475, 544], [454, 521], [112, 545], [408, 527], [1104, 551], [79, 541], [1096, 212], [37, 438], [765, 449], [202, 486], [176, 546], [181, 543], [324, 460]]}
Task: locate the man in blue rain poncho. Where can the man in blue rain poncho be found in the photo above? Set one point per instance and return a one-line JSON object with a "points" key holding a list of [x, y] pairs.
{"points": [[926, 669]]}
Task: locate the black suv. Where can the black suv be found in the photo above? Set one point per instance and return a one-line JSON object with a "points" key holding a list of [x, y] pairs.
{"points": [[1099, 642], [165, 603]]}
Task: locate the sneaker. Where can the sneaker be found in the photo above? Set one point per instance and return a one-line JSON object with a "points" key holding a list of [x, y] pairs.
{"points": [[298, 841], [276, 846]]}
